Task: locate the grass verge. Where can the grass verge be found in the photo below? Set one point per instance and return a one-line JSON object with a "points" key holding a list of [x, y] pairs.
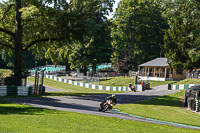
{"points": [[26, 119], [70, 89], [189, 81], [166, 108], [124, 81], [5, 72]]}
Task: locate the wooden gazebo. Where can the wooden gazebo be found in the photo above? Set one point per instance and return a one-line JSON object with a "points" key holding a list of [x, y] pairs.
{"points": [[158, 69]]}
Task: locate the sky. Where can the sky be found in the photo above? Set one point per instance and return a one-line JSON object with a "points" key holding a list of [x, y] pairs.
{"points": [[114, 7], [116, 3]]}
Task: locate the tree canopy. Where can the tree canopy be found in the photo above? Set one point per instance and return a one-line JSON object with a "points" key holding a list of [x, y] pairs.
{"points": [[26, 25], [182, 38], [93, 45], [137, 32], [79, 31]]}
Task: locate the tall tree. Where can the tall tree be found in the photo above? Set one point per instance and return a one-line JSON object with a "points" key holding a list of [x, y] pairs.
{"points": [[28, 24], [137, 32], [182, 40], [93, 45]]}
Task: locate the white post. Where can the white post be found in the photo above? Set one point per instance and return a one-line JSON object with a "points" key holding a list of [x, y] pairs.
{"points": [[165, 72]]}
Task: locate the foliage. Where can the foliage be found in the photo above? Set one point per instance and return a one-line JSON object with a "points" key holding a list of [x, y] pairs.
{"points": [[137, 33], [93, 44], [182, 38], [25, 24]]}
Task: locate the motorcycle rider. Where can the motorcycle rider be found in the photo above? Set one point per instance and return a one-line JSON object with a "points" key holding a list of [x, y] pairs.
{"points": [[112, 98], [131, 86]]}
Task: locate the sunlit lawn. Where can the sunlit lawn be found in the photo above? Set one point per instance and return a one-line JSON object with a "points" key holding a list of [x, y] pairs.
{"points": [[166, 108], [70, 89], [124, 81], [5, 72], [189, 81], [15, 118]]}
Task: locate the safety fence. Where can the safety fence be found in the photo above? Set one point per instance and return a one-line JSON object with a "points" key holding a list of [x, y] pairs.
{"points": [[179, 87], [87, 85], [197, 109], [193, 101], [16, 90]]}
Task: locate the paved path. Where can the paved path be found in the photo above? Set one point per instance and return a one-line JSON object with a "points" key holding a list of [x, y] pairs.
{"points": [[89, 104]]}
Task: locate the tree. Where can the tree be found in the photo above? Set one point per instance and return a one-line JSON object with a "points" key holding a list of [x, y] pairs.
{"points": [[137, 33], [32, 24], [93, 45], [182, 38]]}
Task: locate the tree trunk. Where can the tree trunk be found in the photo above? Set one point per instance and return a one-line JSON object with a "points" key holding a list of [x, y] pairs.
{"points": [[85, 70], [94, 69], [18, 44]]}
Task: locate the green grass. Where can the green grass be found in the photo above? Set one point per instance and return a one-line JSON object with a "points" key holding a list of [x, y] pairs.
{"points": [[70, 89], [17, 118], [117, 81], [5, 72], [189, 81], [157, 83], [166, 108], [124, 81]]}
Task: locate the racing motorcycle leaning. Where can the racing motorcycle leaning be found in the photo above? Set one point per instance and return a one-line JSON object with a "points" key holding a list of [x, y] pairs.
{"points": [[108, 103]]}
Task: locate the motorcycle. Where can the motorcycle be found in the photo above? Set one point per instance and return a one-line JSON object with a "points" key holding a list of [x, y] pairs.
{"points": [[107, 104]]}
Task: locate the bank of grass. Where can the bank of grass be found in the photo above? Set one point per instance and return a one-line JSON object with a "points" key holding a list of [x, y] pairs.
{"points": [[26, 119], [5, 72], [117, 81], [166, 108], [124, 81], [188, 81], [70, 89]]}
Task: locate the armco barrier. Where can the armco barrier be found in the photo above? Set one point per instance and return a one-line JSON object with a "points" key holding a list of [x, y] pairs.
{"points": [[87, 85], [16, 91], [179, 87]]}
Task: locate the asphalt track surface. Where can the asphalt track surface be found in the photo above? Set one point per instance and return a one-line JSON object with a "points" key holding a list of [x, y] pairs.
{"points": [[89, 104]]}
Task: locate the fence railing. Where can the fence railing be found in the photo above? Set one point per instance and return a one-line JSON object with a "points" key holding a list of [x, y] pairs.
{"points": [[86, 79], [195, 75], [151, 74]]}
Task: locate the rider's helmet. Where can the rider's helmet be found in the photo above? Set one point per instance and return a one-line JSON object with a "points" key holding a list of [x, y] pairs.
{"points": [[113, 95]]}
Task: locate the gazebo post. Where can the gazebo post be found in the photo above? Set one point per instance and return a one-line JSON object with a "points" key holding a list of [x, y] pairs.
{"points": [[145, 72], [159, 72]]}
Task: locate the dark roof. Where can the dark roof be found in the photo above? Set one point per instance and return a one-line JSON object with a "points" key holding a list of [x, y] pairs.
{"points": [[156, 62]]}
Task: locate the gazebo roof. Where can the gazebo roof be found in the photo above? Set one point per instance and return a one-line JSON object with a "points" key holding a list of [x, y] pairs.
{"points": [[161, 62]]}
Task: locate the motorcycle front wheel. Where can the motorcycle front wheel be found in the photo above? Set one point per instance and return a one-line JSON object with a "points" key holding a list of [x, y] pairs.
{"points": [[105, 108]]}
